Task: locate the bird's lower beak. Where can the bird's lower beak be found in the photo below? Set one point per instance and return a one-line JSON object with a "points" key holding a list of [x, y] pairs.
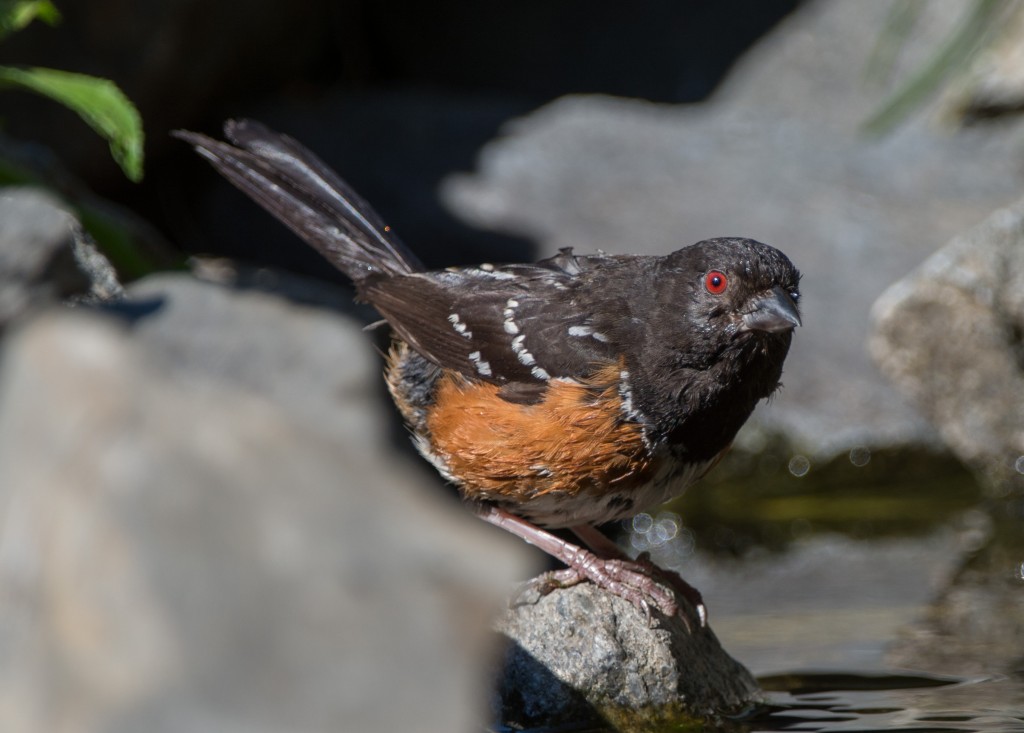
{"points": [[773, 312]]}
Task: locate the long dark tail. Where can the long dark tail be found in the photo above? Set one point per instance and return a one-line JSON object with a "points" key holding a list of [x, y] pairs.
{"points": [[294, 185]]}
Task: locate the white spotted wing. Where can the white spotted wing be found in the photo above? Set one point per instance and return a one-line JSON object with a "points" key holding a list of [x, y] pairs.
{"points": [[504, 324]]}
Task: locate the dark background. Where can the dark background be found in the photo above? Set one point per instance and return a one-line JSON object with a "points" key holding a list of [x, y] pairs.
{"points": [[394, 95]]}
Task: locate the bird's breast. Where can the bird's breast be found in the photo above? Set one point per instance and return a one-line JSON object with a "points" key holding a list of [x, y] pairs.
{"points": [[580, 455]]}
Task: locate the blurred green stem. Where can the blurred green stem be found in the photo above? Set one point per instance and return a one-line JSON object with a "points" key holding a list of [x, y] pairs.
{"points": [[952, 55]]}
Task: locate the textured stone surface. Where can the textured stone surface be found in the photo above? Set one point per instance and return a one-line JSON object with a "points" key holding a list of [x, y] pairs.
{"points": [[951, 335], [581, 654], [187, 548]]}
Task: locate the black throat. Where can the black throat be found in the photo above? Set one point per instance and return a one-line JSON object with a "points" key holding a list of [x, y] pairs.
{"points": [[697, 411]]}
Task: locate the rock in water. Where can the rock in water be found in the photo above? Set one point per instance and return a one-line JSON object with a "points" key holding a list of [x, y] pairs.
{"points": [[581, 654]]}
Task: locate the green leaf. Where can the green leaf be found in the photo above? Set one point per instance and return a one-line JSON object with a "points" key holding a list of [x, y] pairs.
{"points": [[16, 14], [97, 101]]}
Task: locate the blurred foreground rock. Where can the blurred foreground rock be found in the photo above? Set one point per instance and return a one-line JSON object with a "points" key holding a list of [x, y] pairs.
{"points": [[580, 654], [185, 548], [951, 336]]}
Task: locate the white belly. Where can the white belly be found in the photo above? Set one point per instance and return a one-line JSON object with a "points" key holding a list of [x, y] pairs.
{"points": [[557, 510]]}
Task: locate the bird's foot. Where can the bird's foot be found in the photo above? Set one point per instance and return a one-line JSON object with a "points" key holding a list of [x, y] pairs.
{"points": [[640, 582], [678, 584]]}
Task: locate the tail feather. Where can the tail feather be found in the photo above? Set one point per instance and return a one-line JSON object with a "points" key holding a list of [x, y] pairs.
{"points": [[295, 186]]}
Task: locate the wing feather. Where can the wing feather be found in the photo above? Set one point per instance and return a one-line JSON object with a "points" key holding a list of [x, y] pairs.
{"points": [[508, 325]]}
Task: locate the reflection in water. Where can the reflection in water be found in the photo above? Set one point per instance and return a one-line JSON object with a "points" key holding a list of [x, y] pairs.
{"points": [[848, 702], [867, 703], [975, 624]]}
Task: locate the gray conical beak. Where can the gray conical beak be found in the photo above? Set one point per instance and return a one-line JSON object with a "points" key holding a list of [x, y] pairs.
{"points": [[773, 312]]}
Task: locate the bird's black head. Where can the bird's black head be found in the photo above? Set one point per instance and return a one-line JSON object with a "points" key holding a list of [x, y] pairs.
{"points": [[732, 295], [718, 333]]}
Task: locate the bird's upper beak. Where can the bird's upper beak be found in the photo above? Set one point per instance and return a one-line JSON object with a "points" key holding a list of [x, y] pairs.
{"points": [[773, 312]]}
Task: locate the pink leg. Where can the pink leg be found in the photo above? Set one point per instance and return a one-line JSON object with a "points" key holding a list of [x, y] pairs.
{"points": [[599, 543], [623, 577]]}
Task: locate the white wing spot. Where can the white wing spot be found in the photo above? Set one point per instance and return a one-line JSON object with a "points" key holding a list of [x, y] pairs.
{"points": [[518, 347], [521, 352], [587, 331], [459, 326], [484, 367], [510, 315], [489, 271], [502, 275]]}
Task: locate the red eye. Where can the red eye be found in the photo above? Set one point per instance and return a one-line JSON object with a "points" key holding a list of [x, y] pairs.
{"points": [[715, 282]]}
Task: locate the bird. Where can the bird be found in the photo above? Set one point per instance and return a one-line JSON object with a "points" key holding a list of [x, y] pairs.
{"points": [[562, 394]]}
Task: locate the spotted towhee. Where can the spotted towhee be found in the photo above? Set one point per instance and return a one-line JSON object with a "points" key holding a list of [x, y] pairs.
{"points": [[574, 391]]}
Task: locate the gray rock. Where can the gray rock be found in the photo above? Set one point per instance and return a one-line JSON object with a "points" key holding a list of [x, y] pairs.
{"points": [[45, 256], [580, 654], [185, 550], [776, 156], [317, 367], [951, 336]]}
